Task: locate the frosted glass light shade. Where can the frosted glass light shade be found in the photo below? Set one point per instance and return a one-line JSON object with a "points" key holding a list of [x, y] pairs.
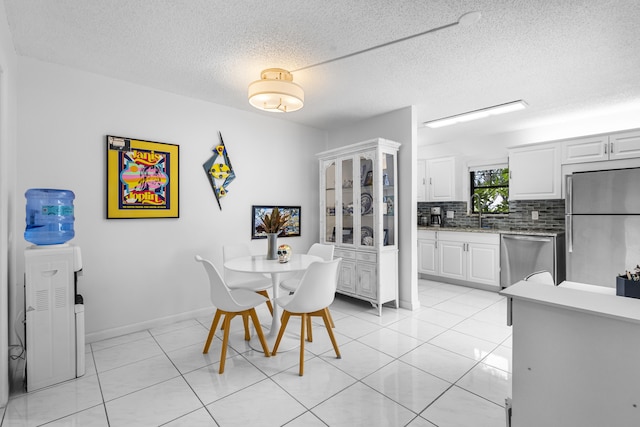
{"points": [[276, 92]]}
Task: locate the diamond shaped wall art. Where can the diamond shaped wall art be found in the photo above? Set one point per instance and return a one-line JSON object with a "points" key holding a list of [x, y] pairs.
{"points": [[219, 171]]}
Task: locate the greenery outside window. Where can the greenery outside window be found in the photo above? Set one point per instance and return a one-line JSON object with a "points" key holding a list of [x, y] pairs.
{"points": [[492, 188]]}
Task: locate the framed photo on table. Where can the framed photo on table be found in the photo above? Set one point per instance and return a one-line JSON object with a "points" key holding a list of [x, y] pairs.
{"points": [[142, 179]]}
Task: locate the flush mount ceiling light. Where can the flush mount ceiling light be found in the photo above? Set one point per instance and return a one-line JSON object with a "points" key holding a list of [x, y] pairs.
{"points": [[477, 114], [276, 91]]}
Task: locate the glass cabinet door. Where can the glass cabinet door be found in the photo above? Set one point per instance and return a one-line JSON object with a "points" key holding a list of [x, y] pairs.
{"points": [[346, 235], [367, 207], [388, 199], [330, 202]]}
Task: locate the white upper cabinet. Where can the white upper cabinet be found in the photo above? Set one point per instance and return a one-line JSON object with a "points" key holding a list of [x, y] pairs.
{"points": [[624, 145], [589, 149], [441, 179], [534, 172], [615, 146]]}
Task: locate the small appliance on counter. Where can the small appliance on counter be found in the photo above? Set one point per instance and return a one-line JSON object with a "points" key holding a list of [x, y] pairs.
{"points": [[436, 217]]}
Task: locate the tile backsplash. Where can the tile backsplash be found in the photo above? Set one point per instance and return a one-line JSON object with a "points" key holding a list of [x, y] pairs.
{"points": [[550, 215]]}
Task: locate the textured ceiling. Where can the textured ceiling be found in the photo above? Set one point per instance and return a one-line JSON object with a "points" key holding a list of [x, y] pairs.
{"points": [[561, 56]]}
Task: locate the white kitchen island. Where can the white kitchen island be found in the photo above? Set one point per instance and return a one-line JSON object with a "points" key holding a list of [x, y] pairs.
{"points": [[576, 356]]}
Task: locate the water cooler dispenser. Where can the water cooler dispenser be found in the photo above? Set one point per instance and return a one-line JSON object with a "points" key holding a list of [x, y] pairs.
{"points": [[54, 311]]}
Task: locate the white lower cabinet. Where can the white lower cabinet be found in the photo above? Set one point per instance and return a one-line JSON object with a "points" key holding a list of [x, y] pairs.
{"points": [[461, 256], [427, 252]]}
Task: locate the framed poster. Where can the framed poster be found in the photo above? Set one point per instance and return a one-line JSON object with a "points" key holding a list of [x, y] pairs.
{"points": [[142, 179], [292, 229]]}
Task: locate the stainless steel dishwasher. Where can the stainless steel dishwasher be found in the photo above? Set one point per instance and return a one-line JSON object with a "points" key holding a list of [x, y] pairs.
{"points": [[523, 254]]}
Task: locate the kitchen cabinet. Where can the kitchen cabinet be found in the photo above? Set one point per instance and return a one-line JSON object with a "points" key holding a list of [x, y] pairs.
{"points": [[616, 146], [428, 252], [461, 256], [422, 180], [535, 172], [441, 179], [575, 354], [358, 214]]}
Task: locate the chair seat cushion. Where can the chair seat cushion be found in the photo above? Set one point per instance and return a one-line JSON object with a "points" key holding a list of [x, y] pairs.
{"points": [[259, 284], [290, 284], [245, 298]]}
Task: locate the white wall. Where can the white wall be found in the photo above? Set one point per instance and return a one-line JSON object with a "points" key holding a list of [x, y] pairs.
{"points": [[399, 126], [138, 272], [8, 109]]}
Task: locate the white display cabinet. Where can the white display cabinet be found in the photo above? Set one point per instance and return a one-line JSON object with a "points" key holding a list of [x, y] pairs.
{"points": [[358, 214]]}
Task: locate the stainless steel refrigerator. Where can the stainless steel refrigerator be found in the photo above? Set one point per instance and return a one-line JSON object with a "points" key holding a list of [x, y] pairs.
{"points": [[602, 225]]}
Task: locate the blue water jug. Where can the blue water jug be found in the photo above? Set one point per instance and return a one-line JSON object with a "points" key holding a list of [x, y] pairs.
{"points": [[49, 216]]}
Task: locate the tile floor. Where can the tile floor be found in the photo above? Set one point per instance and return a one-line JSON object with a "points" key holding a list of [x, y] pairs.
{"points": [[447, 364]]}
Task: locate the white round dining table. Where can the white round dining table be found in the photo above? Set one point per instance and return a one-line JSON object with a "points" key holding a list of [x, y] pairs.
{"points": [[260, 264]]}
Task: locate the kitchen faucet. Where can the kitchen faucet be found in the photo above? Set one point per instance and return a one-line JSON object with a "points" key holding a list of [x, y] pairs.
{"points": [[478, 201]]}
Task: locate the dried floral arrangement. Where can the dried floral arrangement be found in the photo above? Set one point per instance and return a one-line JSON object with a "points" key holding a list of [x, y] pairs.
{"points": [[276, 222]]}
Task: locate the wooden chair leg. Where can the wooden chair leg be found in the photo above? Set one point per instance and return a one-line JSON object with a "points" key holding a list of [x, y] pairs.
{"points": [[245, 322], [333, 325], [327, 324], [212, 331], [256, 324], [285, 321], [225, 342], [309, 333], [269, 305], [303, 324]]}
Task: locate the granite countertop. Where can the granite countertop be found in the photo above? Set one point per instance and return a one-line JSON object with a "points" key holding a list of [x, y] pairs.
{"points": [[522, 231]]}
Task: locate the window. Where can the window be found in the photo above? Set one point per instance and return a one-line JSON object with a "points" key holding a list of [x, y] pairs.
{"points": [[492, 188]]}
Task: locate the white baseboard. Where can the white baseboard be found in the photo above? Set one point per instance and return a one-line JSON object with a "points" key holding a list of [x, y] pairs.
{"points": [[149, 324]]}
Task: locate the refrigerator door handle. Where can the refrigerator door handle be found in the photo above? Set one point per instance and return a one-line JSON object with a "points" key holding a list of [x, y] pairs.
{"points": [[569, 232], [569, 191]]}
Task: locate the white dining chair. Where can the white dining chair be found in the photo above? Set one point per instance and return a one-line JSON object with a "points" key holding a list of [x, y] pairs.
{"points": [[313, 297], [318, 249], [541, 277], [231, 303], [256, 282]]}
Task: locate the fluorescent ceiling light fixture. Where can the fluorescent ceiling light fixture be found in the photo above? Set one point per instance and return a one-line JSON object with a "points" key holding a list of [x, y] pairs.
{"points": [[477, 114], [276, 92]]}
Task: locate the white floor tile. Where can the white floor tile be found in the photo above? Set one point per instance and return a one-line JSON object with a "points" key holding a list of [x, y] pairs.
{"points": [[358, 359], [308, 419], [416, 328], [190, 358], [407, 385], [210, 386], [175, 339], [136, 376], [124, 354], [486, 381], [354, 327], [485, 330], [438, 317], [92, 417], [390, 342], [320, 381], [373, 409], [154, 405], [263, 404], [459, 408], [500, 358], [198, 418], [52, 403], [466, 345], [437, 361]]}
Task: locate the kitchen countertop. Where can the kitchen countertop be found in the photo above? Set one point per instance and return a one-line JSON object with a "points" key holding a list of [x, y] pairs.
{"points": [[521, 231]]}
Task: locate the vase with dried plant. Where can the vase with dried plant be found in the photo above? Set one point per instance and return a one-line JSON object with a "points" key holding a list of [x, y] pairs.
{"points": [[273, 225]]}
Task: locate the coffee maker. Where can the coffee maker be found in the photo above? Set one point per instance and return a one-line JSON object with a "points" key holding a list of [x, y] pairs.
{"points": [[436, 217]]}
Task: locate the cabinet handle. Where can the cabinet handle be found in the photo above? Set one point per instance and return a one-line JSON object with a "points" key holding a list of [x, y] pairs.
{"points": [[430, 183], [611, 148], [606, 148]]}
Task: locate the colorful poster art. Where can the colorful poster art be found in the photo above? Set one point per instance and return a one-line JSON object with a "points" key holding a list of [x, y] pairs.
{"points": [[142, 179]]}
